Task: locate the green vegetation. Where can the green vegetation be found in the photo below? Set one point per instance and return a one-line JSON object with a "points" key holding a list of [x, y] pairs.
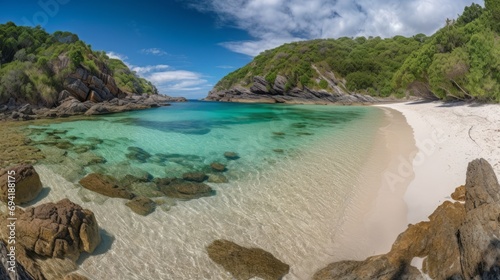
{"points": [[460, 61], [34, 64]]}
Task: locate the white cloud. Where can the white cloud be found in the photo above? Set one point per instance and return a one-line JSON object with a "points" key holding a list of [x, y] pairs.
{"points": [[170, 82], [116, 56], [274, 22], [225, 66], [154, 51], [146, 69]]}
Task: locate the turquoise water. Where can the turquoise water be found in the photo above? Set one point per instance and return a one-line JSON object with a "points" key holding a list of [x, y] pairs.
{"points": [[189, 136], [288, 193]]}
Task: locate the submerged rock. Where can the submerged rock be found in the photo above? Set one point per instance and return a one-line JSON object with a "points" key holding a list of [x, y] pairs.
{"points": [[105, 185], [231, 155], [178, 188], [195, 176], [27, 183], [244, 263], [217, 166], [141, 205], [217, 178], [139, 154]]}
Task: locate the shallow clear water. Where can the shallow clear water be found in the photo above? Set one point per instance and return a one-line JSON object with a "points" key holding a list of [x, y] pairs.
{"points": [[291, 203], [189, 136]]}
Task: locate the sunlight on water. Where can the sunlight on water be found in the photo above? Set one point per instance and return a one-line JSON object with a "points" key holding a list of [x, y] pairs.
{"points": [[287, 192]]}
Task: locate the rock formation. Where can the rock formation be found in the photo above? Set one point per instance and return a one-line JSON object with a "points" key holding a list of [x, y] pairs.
{"points": [[90, 94], [141, 205], [244, 263], [262, 92], [460, 241], [105, 185], [26, 180], [55, 234]]}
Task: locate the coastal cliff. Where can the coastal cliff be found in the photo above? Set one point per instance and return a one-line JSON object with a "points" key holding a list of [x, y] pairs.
{"points": [[48, 75]]}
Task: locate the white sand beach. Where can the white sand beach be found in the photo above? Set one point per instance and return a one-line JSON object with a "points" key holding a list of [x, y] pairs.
{"points": [[448, 136]]}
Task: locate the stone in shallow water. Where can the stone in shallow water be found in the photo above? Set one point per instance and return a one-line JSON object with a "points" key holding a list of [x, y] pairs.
{"points": [[178, 188], [195, 176], [141, 205], [244, 263], [217, 178], [139, 154], [217, 166], [231, 155], [278, 151], [28, 184], [279, 133], [105, 185]]}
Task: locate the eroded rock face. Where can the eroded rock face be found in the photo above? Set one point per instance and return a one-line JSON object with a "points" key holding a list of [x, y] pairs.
{"points": [[459, 194], [105, 185], [480, 233], [460, 241], [27, 183], [60, 230], [246, 263]]}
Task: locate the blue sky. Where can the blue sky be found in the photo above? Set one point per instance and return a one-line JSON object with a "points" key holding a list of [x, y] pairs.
{"points": [[185, 47]]}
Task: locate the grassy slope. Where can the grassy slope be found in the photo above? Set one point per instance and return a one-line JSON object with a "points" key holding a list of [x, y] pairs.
{"points": [[33, 68]]}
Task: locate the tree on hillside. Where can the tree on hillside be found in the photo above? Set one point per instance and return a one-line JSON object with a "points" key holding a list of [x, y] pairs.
{"points": [[493, 7]]}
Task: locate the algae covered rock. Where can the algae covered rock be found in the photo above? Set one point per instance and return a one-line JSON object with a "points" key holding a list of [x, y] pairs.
{"points": [[246, 263]]}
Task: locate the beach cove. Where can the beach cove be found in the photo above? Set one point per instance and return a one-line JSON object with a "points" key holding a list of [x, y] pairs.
{"points": [[297, 207]]}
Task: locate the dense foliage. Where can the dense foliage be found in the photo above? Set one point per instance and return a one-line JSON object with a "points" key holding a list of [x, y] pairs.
{"points": [[34, 64], [460, 61]]}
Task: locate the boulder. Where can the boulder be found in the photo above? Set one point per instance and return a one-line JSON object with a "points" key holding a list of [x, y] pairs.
{"points": [[480, 233], [26, 109], [60, 230], [260, 85], [460, 241], [178, 188], [195, 176], [105, 185], [231, 155], [141, 205], [246, 263], [95, 97], [218, 167], [279, 85], [71, 106], [98, 109], [27, 183], [77, 89], [63, 95]]}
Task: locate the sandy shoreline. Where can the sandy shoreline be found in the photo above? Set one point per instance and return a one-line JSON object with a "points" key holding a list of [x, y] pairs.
{"points": [[448, 136]]}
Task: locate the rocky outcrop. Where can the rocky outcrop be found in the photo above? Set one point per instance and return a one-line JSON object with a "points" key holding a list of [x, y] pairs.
{"points": [[50, 238], [459, 194], [246, 263], [61, 230], [479, 234], [105, 185], [262, 91], [460, 241], [90, 94], [26, 181]]}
